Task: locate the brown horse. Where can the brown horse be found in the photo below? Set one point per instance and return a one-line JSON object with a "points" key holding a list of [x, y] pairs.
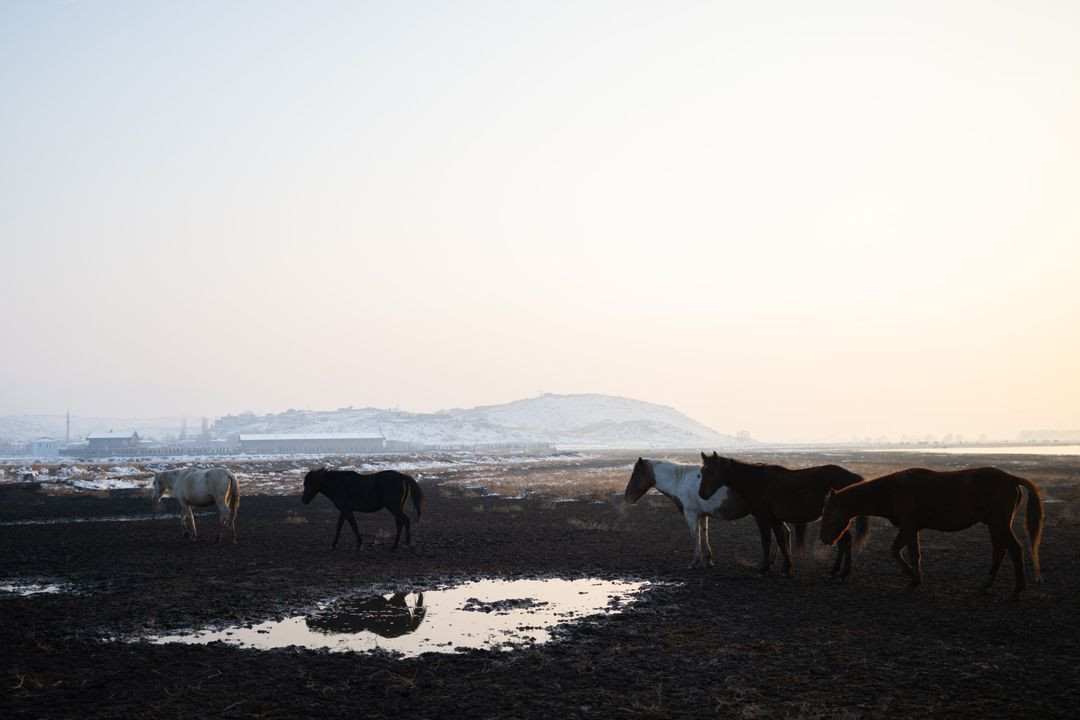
{"points": [[918, 499], [777, 495]]}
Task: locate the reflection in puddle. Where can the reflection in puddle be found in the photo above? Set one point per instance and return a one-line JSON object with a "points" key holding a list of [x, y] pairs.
{"points": [[388, 617], [486, 615], [24, 589], [98, 518]]}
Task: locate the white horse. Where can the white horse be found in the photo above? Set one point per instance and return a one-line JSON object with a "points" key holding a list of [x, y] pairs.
{"points": [[194, 487], [680, 483]]}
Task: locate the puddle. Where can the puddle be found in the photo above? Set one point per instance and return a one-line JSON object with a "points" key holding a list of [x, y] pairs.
{"points": [[26, 589], [484, 615], [102, 518]]}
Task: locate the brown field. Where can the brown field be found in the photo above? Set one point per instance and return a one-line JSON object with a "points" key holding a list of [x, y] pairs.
{"points": [[723, 642]]}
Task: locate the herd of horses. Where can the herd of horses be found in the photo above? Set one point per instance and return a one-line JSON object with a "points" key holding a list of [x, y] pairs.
{"points": [[911, 500]]}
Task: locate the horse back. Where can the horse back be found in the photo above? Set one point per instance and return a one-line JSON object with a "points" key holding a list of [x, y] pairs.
{"points": [[202, 486], [951, 500], [370, 492]]}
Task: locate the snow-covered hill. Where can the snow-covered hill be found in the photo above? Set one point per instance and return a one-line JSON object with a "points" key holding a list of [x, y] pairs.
{"points": [[588, 421], [599, 421]]}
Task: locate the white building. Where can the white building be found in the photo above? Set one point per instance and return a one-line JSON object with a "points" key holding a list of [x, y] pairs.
{"points": [[45, 447], [311, 442]]}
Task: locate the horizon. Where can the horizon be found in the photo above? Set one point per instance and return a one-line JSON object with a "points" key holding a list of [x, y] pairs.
{"points": [[1034, 435], [809, 223]]}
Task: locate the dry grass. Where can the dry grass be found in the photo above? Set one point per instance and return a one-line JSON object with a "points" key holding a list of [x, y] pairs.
{"points": [[593, 525], [295, 520]]}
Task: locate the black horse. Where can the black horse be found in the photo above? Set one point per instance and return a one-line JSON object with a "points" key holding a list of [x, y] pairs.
{"points": [[351, 492]]}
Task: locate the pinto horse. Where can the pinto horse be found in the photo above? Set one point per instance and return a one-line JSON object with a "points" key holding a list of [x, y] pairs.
{"points": [[196, 487], [680, 483], [919, 499], [776, 494], [354, 492]]}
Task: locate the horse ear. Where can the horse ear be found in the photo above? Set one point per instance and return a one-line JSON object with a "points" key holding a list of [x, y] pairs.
{"points": [[714, 454], [704, 457]]}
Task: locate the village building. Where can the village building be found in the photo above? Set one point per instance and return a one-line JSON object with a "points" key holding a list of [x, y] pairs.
{"points": [[105, 443], [311, 443], [44, 447]]}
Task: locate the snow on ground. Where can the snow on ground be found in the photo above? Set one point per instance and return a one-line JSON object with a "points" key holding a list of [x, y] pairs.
{"points": [[513, 474]]}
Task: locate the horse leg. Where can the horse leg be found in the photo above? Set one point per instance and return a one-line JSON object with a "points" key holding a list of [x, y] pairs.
{"points": [[705, 537], [1016, 554], [843, 556], [898, 553], [356, 531], [766, 540], [998, 554], [693, 524], [401, 520], [337, 532], [916, 558], [223, 518], [783, 539], [183, 520], [191, 515]]}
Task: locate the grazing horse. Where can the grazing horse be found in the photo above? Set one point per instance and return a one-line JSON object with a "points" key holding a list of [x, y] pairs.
{"points": [[919, 499], [777, 494], [195, 487], [352, 491], [680, 483]]}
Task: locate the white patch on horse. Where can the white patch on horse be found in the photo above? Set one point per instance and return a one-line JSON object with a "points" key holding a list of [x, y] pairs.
{"points": [[680, 482]]}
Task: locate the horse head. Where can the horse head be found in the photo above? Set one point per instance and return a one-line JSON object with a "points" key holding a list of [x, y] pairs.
{"points": [[834, 521], [313, 483], [161, 486], [643, 478], [712, 474]]}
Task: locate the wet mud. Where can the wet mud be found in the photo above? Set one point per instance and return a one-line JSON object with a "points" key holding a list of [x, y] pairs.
{"points": [[722, 642]]}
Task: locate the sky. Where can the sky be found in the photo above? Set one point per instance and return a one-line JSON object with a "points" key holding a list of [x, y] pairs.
{"points": [[810, 221]]}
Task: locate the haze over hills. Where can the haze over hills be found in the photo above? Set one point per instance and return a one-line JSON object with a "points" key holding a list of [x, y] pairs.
{"points": [[563, 420], [597, 421]]}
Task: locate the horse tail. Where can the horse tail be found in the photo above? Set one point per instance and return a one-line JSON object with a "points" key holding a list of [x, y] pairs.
{"points": [[800, 536], [417, 496], [862, 532], [233, 498], [1033, 521]]}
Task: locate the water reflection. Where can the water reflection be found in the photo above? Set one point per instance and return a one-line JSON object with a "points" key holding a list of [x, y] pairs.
{"points": [[485, 614], [386, 616]]}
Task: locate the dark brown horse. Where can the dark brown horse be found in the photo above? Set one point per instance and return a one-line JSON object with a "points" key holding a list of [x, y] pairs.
{"points": [[919, 499], [777, 495]]}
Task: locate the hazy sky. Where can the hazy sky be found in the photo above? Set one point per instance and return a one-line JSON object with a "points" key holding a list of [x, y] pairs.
{"points": [[808, 220]]}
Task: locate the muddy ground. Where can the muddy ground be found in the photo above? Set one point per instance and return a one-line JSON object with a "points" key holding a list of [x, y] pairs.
{"points": [[720, 642]]}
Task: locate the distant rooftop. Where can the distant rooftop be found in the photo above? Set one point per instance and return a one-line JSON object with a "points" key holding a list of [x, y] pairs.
{"points": [[122, 435], [310, 436]]}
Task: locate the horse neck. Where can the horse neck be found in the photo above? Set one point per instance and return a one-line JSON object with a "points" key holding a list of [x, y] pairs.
{"points": [[332, 487], [669, 475], [740, 477], [865, 498]]}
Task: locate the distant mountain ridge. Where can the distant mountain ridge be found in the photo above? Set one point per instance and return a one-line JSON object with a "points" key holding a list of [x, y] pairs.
{"points": [[585, 421], [597, 421]]}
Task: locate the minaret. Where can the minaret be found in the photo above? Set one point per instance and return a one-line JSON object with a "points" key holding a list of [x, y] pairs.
{"points": [[183, 429], [67, 432]]}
